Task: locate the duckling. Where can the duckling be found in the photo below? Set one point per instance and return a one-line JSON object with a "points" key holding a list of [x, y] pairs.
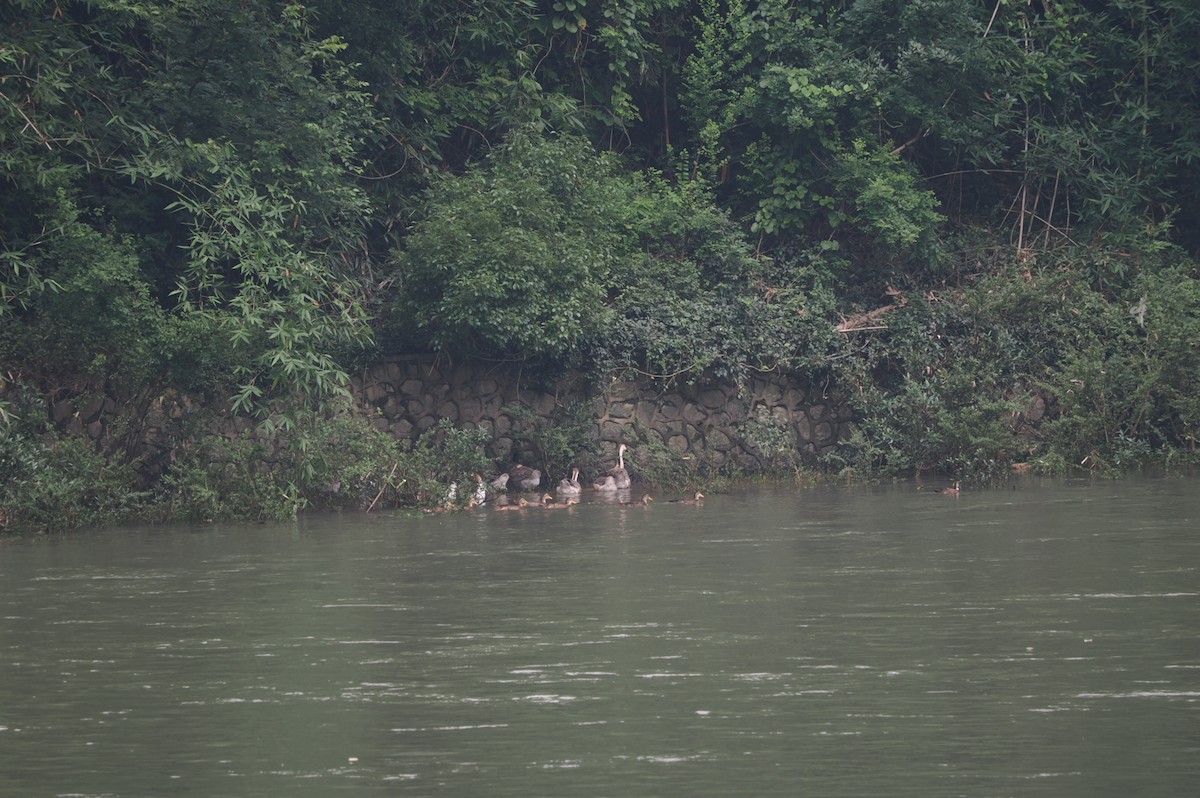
{"points": [[570, 487], [520, 505], [571, 501], [697, 499], [643, 502], [953, 491]]}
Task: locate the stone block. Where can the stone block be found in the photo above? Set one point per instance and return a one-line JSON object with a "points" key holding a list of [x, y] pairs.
{"points": [[646, 411], [542, 405], [448, 409], [491, 406], [91, 410], [470, 408], [772, 393], [718, 441], [391, 373], [623, 390], [713, 398], [1036, 410], [392, 409], [375, 393], [693, 413], [412, 387], [612, 431], [793, 398], [804, 428], [61, 411], [622, 410]]}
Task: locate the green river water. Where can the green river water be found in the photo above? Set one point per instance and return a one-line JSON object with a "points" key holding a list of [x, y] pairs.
{"points": [[1041, 639]]}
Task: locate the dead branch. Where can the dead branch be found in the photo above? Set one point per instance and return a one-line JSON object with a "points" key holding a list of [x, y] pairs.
{"points": [[867, 319]]}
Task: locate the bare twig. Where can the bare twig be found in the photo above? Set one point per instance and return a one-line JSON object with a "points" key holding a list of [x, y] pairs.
{"points": [[386, 483]]}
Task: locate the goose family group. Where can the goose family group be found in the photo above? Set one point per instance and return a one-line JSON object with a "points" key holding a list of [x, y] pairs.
{"points": [[521, 478]]}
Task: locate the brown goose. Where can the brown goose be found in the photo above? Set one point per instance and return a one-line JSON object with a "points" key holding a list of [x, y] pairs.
{"points": [[570, 487], [524, 478], [619, 474], [606, 485]]}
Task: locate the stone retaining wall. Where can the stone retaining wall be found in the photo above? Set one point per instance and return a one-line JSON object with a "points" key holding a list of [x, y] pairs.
{"points": [[712, 422]]}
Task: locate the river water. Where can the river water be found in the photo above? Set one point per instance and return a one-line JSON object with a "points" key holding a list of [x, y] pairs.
{"points": [[1041, 639]]}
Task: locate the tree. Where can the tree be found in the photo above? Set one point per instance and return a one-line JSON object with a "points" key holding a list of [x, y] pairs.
{"points": [[215, 144], [514, 258]]}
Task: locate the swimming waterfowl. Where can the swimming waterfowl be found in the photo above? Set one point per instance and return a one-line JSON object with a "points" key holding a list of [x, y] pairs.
{"points": [[524, 477], [570, 501], [606, 485], [619, 474], [520, 505], [953, 491], [570, 487], [697, 499], [642, 502]]}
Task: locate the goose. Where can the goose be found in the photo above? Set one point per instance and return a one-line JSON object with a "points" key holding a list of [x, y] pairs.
{"points": [[643, 502], [570, 487], [606, 485], [524, 477], [697, 499], [480, 494], [619, 473]]}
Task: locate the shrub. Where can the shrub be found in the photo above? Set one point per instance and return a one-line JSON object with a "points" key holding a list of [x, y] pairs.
{"points": [[513, 257], [55, 482]]}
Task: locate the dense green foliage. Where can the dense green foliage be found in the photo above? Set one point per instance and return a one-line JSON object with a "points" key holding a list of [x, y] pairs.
{"points": [[955, 210]]}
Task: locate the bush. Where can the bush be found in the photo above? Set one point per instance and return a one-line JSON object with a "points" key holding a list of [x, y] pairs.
{"points": [[53, 482], [514, 257], [558, 443]]}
